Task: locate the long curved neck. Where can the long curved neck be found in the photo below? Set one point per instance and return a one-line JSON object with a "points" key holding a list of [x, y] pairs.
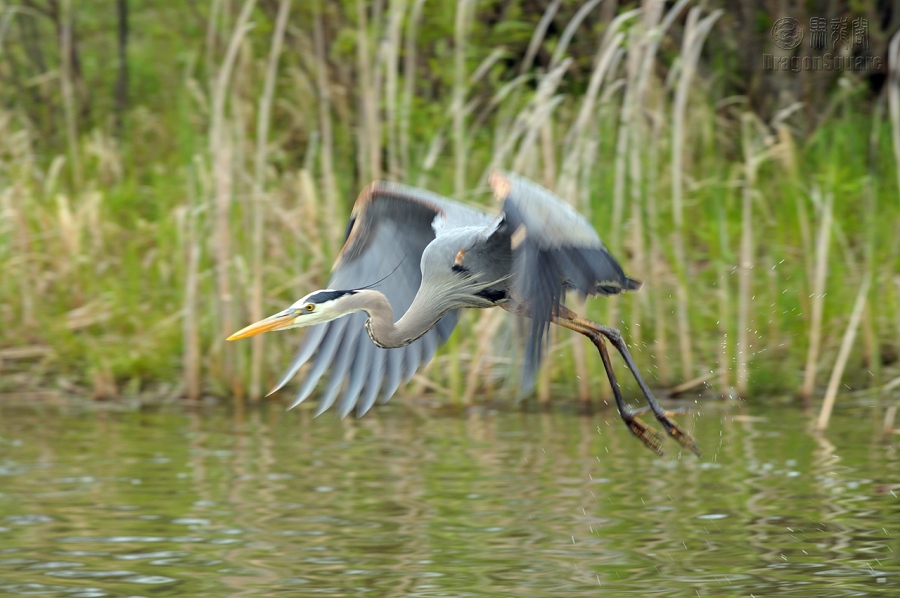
{"points": [[381, 327]]}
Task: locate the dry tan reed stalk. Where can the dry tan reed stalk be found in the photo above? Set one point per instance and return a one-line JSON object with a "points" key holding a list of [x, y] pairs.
{"points": [[724, 296], [312, 217], [409, 78], [509, 113], [69, 235], [807, 247], [190, 334], [746, 261], [652, 33], [637, 261], [569, 32], [823, 242], [843, 354], [887, 424], [534, 44], [259, 182], [871, 344], [580, 132], [695, 34], [894, 99], [657, 260], [431, 157], [221, 153], [464, 13], [453, 370], [627, 116], [397, 11], [7, 17], [212, 38], [548, 159], [509, 131], [578, 164], [369, 146], [15, 201], [621, 155], [580, 148], [529, 122], [871, 338], [583, 190], [486, 110], [468, 109], [324, 105], [638, 266], [90, 214], [65, 79], [638, 132]]}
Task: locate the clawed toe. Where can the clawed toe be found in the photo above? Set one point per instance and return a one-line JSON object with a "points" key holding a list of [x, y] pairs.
{"points": [[651, 438], [681, 435]]}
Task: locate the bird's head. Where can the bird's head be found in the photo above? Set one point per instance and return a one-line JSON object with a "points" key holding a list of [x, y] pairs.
{"points": [[315, 308]]}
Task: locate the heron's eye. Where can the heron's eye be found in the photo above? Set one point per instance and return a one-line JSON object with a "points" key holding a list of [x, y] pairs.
{"points": [[310, 307]]}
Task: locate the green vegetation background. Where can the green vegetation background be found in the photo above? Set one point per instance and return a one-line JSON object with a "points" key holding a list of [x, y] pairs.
{"points": [[154, 197]]}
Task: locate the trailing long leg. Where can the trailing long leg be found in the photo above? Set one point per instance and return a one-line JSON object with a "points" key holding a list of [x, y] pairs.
{"points": [[673, 429], [598, 334], [650, 437]]}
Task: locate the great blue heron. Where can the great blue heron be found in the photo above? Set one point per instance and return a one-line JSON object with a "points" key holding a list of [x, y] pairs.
{"points": [[430, 257]]}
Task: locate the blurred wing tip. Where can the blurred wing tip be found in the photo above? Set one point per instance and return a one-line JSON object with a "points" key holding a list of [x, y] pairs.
{"points": [[500, 184], [614, 287]]}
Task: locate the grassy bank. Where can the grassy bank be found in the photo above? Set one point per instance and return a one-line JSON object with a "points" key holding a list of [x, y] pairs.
{"points": [[128, 257]]}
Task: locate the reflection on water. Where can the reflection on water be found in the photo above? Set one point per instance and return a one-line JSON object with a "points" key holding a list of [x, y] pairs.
{"points": [[401, 503]]}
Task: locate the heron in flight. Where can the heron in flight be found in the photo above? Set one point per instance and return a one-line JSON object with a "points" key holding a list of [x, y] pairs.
{"points": [[430, 257]]}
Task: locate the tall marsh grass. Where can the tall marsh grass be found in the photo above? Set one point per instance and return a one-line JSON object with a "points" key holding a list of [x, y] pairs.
{"points": [[125, 262]]}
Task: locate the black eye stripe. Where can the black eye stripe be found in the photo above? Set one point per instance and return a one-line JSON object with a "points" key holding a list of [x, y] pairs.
{"points": [[323, 296]]}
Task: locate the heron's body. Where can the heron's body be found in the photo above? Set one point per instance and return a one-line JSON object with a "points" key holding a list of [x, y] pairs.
{"points": [[412, 259]]}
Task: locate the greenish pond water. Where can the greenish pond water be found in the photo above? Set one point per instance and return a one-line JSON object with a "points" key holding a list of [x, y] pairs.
{"points": [[412, 502]]}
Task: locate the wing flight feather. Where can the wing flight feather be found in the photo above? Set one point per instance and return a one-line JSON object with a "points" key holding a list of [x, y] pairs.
{"points": [[554, 250], [389, 229]]}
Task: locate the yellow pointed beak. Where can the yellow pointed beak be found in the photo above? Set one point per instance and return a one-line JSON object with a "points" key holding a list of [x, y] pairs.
{"points": [[279, 320]]}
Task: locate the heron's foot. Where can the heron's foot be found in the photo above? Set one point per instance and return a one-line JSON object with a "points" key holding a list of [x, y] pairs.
{"points": [[651, 438], [682, 436]]}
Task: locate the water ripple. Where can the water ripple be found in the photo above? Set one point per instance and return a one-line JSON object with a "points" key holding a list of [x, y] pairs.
{"points": [[519, 504]]}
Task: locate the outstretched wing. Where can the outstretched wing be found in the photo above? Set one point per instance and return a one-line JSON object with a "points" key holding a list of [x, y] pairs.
{"points": [[554, 250], [389, 228]]}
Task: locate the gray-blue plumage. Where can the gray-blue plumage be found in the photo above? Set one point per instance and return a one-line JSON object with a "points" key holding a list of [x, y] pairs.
{"points": [[444, 256]]}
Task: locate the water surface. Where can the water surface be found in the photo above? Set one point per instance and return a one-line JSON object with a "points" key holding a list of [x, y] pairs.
{"points": [[410, 502]]}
